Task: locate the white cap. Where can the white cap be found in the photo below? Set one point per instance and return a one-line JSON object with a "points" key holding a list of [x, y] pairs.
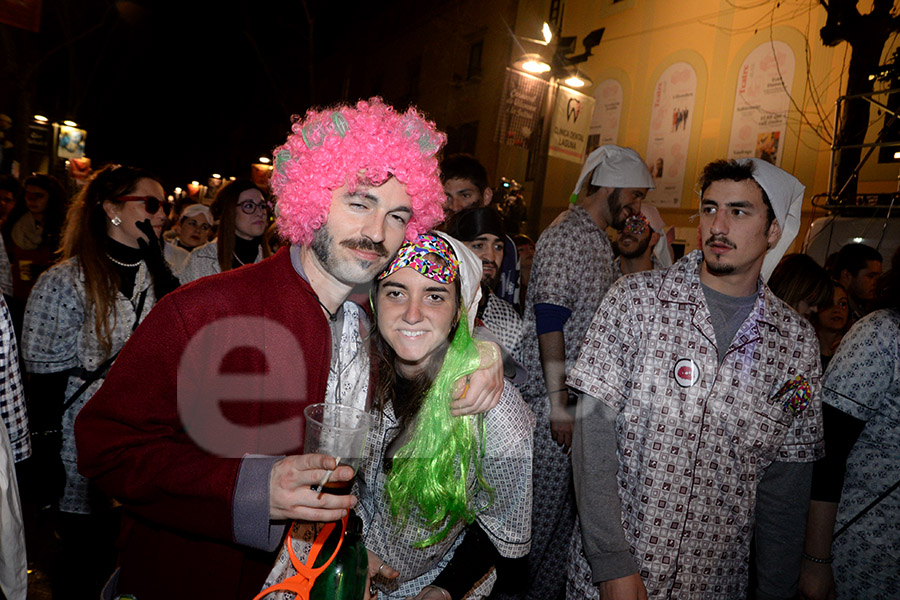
{"points": [[615, 167], [662, 251], [192, 210], [785, 193], [470, 271]]}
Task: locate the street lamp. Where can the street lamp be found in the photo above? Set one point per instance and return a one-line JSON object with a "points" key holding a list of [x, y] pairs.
{"points": [[562, 66]]}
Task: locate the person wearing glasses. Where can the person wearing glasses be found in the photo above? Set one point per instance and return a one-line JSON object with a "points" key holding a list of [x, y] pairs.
{"points": [[243, 213], [192, 230], [78, 316]]}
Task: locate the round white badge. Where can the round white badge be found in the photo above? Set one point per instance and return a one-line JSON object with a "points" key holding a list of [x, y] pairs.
{"points": [[686, 372]]}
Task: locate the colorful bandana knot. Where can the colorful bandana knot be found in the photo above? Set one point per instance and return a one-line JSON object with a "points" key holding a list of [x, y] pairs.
{"points": [[795, 394], [414, 254]]}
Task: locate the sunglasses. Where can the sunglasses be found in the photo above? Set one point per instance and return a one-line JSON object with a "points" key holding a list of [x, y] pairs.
{"points": [[249, 207], [151, 203]]}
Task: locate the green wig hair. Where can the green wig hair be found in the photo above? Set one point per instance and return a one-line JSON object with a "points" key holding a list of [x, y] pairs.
{"points": [[431, 470]]}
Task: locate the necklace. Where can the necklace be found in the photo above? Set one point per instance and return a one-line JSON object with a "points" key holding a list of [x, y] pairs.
{"points": [[234, 254], [122, 264], [332, 316], [138, 282]]}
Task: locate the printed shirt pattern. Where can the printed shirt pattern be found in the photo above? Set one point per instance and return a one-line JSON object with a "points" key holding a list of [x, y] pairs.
{"points": [[573, 268], [502, 319], [12, 395], [204, 261], [694, 443], [863, 380], [58, 335]]}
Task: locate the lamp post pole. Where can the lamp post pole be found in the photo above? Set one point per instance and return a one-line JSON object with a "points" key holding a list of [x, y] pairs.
{"points": [[536, 205]]}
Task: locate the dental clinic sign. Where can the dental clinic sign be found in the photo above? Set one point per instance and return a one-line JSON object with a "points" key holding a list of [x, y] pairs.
{"points": [[571, 125]]}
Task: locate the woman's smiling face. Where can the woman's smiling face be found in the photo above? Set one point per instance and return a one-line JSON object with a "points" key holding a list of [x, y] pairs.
{"points": [[415, 315]]}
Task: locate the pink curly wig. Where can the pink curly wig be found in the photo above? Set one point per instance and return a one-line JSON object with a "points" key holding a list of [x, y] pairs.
{"points": [[329, 148]]}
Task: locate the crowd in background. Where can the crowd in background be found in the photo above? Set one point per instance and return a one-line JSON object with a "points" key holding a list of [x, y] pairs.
{"points": [[80, 274]]}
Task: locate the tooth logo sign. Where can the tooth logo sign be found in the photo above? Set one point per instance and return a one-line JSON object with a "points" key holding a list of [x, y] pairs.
{"points": [[686, 372]]}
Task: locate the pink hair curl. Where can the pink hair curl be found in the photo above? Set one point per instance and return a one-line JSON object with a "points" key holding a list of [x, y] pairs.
{"points": [[329, 148]]}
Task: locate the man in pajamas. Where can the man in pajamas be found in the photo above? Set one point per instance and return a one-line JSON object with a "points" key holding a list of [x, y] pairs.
{"points": [[699, 415], [573, 268]]}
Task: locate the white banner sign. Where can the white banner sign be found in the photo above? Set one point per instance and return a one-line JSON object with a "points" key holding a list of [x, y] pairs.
{"points": [[608, 98], [761, 103], [571, 125], [670, 132]]}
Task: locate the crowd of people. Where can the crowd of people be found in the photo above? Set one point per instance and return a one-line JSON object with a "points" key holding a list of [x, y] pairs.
{"points": [[574, 417]]}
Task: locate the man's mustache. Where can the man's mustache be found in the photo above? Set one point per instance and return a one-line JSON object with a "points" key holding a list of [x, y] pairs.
{"points": [[719, 239], [366, 246]]}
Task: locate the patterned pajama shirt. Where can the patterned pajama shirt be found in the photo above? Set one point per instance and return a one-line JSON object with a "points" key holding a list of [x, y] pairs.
{"points": [[502, 319], [694, 437], [863, 380], [573, 268], [58, 335]]}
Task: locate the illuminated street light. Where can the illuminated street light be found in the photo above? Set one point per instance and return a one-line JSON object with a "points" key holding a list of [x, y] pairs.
{"points": [[69, 123], [264, 160], [578, 80], [532, 63], [41, 119]]}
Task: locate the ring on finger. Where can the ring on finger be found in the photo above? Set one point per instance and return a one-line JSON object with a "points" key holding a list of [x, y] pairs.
{"points": [[380, 568]]}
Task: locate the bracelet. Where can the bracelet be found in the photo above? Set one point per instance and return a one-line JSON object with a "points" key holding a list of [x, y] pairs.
{"points": [[444, 593], [820, 561]]}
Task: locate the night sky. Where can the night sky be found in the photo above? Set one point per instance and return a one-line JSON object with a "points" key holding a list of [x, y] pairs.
{"points": [[184, 88]]}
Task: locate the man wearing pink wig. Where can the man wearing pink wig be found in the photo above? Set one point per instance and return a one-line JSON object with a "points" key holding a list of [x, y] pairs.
{"points": [[199, 426]]}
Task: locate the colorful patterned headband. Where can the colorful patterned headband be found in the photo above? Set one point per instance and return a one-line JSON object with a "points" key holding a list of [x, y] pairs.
{"points": [[415, 254], [636, 225]]}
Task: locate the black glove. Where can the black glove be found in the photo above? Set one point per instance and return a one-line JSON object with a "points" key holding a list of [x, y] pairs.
{"points": [[152, 253]]}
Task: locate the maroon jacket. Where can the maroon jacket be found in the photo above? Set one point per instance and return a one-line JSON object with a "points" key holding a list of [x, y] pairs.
{"points": [[137, 437]]}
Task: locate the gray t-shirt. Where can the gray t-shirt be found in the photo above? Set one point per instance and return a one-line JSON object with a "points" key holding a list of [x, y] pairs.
{"points": [[727, 313]]}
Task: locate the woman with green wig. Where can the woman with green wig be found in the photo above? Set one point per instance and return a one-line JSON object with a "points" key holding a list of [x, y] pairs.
{"points": [[441, 497]]}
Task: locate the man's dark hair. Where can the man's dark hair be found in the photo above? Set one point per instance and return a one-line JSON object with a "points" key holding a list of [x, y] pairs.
{"points": [[732, 170], [853, 258], [464, 166]]}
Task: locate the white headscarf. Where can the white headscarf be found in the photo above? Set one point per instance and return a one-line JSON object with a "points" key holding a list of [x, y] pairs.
{"points": [[785, 193], [662, 251], [470, 271], [615, 167], [192, 210]]}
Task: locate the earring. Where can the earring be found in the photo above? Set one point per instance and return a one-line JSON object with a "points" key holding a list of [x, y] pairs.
{"points": [[116, 221]]}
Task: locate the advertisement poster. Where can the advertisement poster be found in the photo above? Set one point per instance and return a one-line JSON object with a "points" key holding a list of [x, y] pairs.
{"points": [[670, 132], [608, 98], [71, 142], [520, 108], [762, 102], [571, 125]]}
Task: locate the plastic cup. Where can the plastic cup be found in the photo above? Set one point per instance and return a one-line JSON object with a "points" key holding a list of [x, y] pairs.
{"points": [[338, 431]]}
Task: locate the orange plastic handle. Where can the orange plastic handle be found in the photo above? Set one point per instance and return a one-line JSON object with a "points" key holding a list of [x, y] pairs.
{"points": [[302, 582]]}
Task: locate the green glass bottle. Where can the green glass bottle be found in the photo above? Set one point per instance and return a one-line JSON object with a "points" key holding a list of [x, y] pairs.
{"points": [[345, 577]]}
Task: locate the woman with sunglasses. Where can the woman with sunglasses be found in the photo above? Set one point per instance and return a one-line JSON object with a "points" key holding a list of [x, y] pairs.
{"points": [[441, 498], [79, 315], [243, 214]]}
